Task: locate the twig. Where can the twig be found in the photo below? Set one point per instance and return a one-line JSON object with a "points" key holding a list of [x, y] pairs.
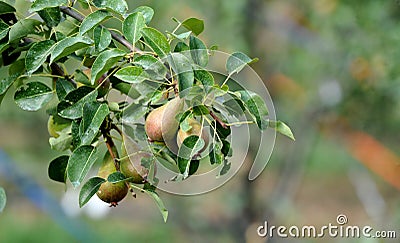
{"points": [[217, 119], [70, 12], [111, 148], [113, 126], [56, 70]]}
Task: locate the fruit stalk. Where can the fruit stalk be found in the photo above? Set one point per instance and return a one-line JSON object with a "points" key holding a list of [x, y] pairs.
{"points": [[111, 147]]}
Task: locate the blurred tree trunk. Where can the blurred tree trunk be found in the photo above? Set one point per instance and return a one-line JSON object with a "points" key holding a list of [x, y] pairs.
{"points": [[249, 210]]}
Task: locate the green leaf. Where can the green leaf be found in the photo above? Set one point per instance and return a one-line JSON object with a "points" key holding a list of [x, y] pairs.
{"points": [[146, 11], [234, 106], [149, 190], [216, 156], [89, 189], [3, 29], [183, 36], [190, 147], [221, 131], [104, 62], [102, 38], [131, 74], [42, 4], [183, 69], [93, 20], [75, 110], [183, 116], [184, 125], [200, 110], [153, 67], [37, 55], [63, 87], [6, 83], [3, 199], [62, 142], [181, 47], [57, 169], [157, 41], [23, 28], [51, 16], [69, 45], [78, 94], [118, 6], [237, 61], [133, 112], [6, 8], [226, 148], [1, 98], [132, 27], [225, 168], [80, 162], [81, 77], [33, 97], [94, 114], [205, 77], [194, 25], [194, 166], [117, 177], [3, 46], [282, 128], [84, 3], [57, 36], [199, 52], [76, 139], [256, 106], [17, 67]]}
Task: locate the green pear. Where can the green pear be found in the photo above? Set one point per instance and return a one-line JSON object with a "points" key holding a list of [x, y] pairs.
{"points": [[196, 129], [161, 124], [55, 128], [110, 192], [131, 165]]}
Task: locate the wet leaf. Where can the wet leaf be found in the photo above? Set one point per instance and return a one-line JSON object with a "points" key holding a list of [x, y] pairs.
{"points": [[80, 162], [33, 96], [89, 189]]}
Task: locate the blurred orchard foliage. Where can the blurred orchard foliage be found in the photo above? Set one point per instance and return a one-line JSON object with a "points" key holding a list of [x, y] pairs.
{"points": [[332, 66]]}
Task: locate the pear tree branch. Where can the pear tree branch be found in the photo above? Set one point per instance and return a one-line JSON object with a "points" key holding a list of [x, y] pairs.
{"points": [[70, 12]]}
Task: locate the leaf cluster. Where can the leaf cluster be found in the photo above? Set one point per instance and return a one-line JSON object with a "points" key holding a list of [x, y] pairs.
{"points": [[138, 61]]}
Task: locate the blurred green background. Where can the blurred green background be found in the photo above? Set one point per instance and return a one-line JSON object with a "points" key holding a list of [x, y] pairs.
{"points": [[331, 68]]}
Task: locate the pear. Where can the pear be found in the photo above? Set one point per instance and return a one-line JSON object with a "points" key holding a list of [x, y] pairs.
{"points": [[161, 124], [55, 128], [131, 166], [110, 192], [196, 129]]}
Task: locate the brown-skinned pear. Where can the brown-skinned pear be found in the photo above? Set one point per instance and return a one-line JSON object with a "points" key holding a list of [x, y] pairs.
{"points": [[110, 192], [161, 124], [196, 129]]}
